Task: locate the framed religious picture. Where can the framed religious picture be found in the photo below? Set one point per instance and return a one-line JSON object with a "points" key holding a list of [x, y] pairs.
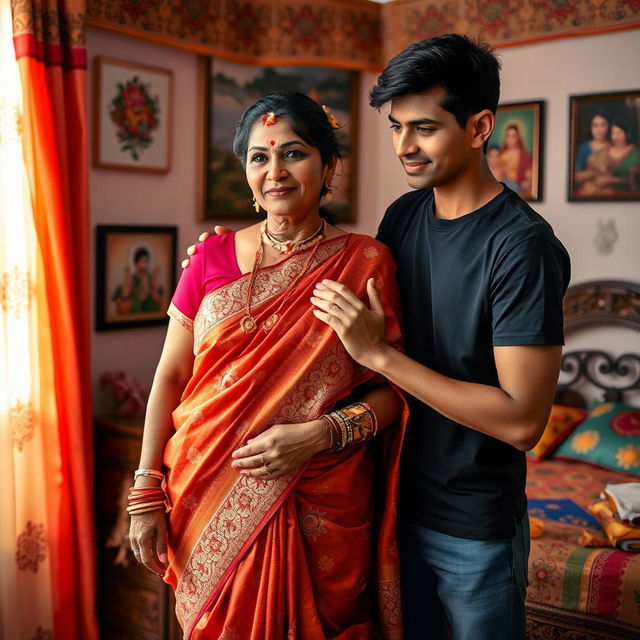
{"points": [[135, 275], [604, 151], [131, 116], [515, 149], [228, 89]]}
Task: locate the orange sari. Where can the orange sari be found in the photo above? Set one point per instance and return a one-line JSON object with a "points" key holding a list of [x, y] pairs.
{"points": [[311, 555]]}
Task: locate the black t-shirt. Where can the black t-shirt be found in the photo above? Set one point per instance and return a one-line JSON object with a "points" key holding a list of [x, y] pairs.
{"points": [[493, 277]]}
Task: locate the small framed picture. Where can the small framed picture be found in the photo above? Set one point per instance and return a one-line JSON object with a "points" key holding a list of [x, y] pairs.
{"points": [[135, 272], [228, 89], [514, 153], [604, 156], [131, 116]]}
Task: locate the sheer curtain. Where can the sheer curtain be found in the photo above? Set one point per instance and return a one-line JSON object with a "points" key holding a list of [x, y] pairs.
{"points": [[46, 527]]}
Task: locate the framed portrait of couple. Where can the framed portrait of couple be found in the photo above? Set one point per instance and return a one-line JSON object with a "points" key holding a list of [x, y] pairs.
{"points": [[514, 152], [604, 160]]}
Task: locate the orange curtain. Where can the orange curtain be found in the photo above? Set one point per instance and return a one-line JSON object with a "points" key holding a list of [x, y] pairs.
{"points": [[50, 54]]}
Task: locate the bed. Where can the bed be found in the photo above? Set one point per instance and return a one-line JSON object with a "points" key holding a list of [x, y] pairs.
{"points": [[578, 592]]}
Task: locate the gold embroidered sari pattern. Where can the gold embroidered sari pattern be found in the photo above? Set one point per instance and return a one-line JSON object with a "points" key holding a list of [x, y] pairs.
{"points": [[244, 508], [230, 299]]}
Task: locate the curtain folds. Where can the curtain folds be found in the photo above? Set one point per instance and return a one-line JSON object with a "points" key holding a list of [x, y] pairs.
{"points": [[45, 408]]}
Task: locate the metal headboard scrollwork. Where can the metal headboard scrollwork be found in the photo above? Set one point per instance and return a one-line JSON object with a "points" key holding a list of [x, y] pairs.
{"points": [[602, 302], [613, 376]]}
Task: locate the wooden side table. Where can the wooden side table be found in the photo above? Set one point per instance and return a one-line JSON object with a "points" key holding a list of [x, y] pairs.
{"points": [[133, 603]]}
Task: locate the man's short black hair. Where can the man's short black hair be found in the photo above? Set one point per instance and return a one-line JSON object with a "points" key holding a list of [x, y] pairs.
{"points": [[469, 71]]}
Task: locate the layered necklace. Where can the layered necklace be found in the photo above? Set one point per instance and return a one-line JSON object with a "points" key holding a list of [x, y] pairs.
{"points": [[290, 246], [248, 323]]}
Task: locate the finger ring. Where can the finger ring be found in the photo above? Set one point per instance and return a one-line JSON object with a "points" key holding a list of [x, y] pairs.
{"points": [[264, 464], [266, 469]]}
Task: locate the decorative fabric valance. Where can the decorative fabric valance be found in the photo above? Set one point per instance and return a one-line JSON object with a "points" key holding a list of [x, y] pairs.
{"points": [[338, 33], [503, 23], [352, 34]]}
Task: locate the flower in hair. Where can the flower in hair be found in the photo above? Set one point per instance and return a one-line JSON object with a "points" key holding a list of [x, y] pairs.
{"points": [[269, 119], [330, 117]]}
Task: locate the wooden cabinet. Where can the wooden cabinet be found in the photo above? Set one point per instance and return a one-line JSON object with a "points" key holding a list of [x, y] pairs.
{"points": [[133, 603]]}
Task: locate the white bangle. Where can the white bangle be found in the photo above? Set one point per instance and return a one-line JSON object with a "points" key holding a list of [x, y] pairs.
{"points": [[148, 472]]}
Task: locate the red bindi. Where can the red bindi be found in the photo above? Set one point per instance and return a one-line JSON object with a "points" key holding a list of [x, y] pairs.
{"points": [[272, 142]]}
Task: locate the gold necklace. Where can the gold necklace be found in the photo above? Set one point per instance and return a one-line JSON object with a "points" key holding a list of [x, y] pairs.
{"points": [[248, 323], [289, 246]]}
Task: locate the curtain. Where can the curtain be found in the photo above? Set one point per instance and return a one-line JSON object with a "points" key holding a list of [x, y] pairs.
{"points": [[47, 581]]}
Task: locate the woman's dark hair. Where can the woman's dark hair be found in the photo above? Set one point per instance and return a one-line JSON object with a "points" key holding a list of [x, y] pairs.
{"points": [[307, 119], [305, 116], [140, 253], [469, 71], [622, 123], [600, 113]]}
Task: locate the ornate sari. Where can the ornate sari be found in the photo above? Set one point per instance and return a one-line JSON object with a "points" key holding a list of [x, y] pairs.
{"points": [[311, 555]]}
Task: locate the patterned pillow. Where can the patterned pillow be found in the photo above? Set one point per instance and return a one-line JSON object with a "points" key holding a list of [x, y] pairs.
{"points": [[562, 421], [608, 437]]}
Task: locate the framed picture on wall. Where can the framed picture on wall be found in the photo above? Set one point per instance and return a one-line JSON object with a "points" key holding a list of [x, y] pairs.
{"points": [[227, 90], [515, 149], [131, 116], [135, 275], [604, 151]]}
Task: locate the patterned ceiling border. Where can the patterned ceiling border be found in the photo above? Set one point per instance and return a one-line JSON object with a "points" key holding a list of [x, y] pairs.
{"points": [[338, 33], [352, 34], [503, 23]]}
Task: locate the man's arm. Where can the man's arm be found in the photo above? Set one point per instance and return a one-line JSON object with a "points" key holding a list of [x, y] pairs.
{"points": [[516, 412]]}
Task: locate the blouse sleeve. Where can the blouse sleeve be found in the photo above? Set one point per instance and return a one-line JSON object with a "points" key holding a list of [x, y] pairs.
{"points": [[190, 290]]}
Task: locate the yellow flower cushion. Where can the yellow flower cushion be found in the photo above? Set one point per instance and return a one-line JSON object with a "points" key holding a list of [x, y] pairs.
{"points": [[609, 437], [562, 421]]}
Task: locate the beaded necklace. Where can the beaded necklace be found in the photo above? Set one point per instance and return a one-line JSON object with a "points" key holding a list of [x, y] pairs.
{"points": [[289, 246], [248, 323]]}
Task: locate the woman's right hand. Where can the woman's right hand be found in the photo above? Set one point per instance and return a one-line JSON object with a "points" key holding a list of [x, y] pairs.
{"points": [[148, 538]]}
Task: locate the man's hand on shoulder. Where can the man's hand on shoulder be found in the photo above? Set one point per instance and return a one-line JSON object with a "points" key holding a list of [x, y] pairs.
{"points": [[191, 249]]}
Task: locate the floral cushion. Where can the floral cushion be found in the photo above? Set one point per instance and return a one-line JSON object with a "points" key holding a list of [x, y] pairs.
{"points": [[608, 437], [562, 421]]}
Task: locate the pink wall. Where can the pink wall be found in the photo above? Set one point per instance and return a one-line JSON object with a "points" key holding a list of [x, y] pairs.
{"points": [[550, 71]]}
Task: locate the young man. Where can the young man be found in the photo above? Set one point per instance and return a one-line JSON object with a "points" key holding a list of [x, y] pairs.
{"points": [[482, 278]]}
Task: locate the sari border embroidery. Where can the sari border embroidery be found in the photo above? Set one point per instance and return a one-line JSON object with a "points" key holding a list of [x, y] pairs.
{"points": [[230, 299], [232, 527], [175, 314]]}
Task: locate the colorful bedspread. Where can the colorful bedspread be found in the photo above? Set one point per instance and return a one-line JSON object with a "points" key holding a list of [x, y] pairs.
{"points": [[565, 577]]}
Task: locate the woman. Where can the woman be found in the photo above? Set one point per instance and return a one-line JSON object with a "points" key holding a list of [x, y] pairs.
{"points": [[139, 292], [497, 169], [623, 162], [516, 160], [273, 531], [592, 157]]}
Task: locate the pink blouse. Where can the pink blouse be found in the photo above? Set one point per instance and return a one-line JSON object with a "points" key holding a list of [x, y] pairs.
{"points": [[213, 265]]}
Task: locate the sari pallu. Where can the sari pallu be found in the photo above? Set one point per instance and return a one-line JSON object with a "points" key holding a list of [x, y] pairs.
{"points": [[299, 556]]}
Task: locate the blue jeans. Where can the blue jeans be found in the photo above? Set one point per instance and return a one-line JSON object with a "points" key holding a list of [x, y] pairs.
{"points": [[463, 589]]}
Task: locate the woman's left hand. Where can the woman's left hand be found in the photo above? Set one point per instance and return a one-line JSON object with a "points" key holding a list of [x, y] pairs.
{"points": [[281, 449]]}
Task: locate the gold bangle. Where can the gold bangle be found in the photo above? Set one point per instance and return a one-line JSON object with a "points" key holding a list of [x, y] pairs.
{"points": [[144, 505]]}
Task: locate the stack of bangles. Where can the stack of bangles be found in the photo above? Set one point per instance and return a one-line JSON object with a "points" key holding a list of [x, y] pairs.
{"points": [[352, 424], [145, 499]]}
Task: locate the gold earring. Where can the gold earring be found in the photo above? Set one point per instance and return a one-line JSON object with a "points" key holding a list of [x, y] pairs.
{"points": [[256, 206], [329, 195]]}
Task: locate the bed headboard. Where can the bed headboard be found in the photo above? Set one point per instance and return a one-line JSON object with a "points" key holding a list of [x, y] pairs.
{"points": [[615, 377]]}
